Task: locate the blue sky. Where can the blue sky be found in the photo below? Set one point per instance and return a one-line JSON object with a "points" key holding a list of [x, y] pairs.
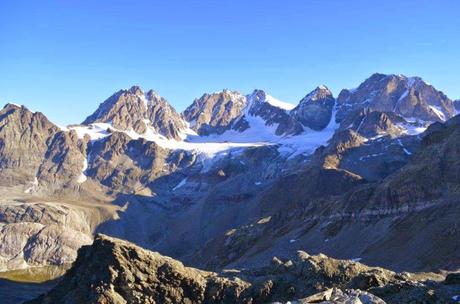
{"points": [[65, 57]]}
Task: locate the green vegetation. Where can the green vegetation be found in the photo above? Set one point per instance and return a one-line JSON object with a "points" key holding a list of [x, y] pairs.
{"points": [[35, 274]]}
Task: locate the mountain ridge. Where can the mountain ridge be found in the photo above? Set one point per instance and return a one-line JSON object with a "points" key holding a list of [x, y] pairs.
{"points": [[142, 164]]}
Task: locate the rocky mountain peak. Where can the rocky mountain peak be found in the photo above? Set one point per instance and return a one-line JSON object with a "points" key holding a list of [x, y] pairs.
{"points": [[23, 141], [133, 110], [216, 112], [136, 90], [256, 99], [258, 94], [321, 92], [152, 95], [315, 109], [10, 106], [410, 97]]}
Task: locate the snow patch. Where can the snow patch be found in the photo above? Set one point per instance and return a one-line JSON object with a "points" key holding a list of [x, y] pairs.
{"points": [[356, 259], [95, 131], [82, 178], [279, 104], [33, 186], [370, 155], [182, 182], [438, 111], [413, 126], [402, 146]]}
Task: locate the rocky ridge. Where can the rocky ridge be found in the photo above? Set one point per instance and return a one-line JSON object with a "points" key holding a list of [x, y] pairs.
{"points": [[409, 97], [138, 111], [403, 204], [115, 271], [253, 158]]}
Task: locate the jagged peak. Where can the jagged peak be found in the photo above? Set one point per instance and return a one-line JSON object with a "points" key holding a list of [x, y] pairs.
{"points": [[153, 95], [257, 94], [137, 90], [12, 105], [320, 92], [261, 96], [232, 93], [409, 81], [322, 87]]}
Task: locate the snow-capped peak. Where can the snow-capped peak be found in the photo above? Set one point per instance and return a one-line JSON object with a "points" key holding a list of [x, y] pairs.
{"points": [[262, 96], [322, 87], [319, 93], [278, 103]]}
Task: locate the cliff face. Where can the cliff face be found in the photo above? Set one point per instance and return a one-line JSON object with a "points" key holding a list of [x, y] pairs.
{"points": [[115, 271], [24, 136], [410, 97], [137, 111]]}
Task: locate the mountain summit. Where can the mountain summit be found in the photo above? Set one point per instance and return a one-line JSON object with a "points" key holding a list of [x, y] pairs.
{"points": [[138, 111], [233, 180]]}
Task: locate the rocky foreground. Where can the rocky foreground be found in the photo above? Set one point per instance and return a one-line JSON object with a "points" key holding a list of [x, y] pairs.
{"points": [[115, 271]]}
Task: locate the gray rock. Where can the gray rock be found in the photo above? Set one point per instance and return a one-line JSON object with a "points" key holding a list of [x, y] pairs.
{"points": [[216, 112], [337, 296], [133, 110], [115, 271], [457, 105], [272, 115], [410, 97], [315, 110], [24, 139], [39, 234]]}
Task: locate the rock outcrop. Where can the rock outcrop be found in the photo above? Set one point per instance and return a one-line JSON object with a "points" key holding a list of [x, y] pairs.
{"points": [[457, 105], [41, 233], [273, 115], [24, 139], [138, 111], [115, 271], [315, 110], [216, 112], [410, 97]]}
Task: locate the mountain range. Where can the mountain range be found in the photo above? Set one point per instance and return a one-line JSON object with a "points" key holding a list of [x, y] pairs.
{"points": [[372, 175]]}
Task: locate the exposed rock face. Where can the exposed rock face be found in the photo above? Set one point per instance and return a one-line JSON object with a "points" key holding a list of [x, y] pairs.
{"points": [[133, 110], [219, 112], [408, 97], [337, 296], [371, 185], [370, 123], [457, 105], [24, 137], [120, 162], [65, 162], [215, 113], [115, 271], [432, 174], [37, 234], [412, 198], [272, 115], [315, 110]]}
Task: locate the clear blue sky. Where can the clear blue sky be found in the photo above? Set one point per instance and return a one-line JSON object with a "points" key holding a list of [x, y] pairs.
{"points": [[65, 57]]}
